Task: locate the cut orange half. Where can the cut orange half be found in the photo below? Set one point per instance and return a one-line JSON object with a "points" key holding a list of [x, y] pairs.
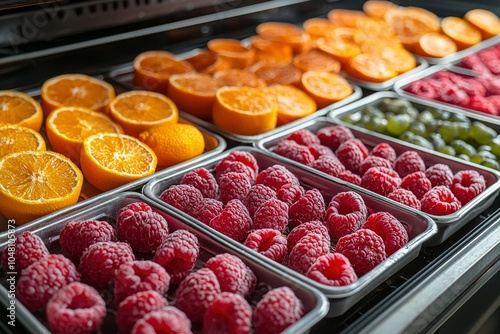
{"points": [[461, 31], [486, 21], [270, 51], [207, 62], [316, 60], [292, 103], [238, 77], [287, 33], [325, 87], [277, 73], [436, 45], [20, 108], [370, 67], [232, 51], [15, 138]]}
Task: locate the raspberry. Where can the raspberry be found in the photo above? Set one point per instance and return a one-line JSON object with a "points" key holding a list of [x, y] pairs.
{"points": [[303, 137], [278, 309], [473, 62], [364, 248], [136, 276], [230, 312], [450, 93], [306, 251], [203, 180], [409, 162], [42, 279], [482, 104], [467, 184], [256, 196], [405, 197], [373, 161], [389, 228], [311, 206], [268, 242], [297, 233], [135, 306], [144, 230], [384, 150], [439, 175], [491, 83], [350, 177], [333, 269], [196, 292], [440, 201], [27, 249], [234, 221], [178, 254], [76, 236], [225, 166], [168, 319], [380, 180], [423, 89], [76, 308], [207, 210], [333, 136], [276, 176], [100, 261], [294, 151], [272, 214], [495, 99], [233, 274], [233, 185], [318, 150], [472, 87], [246, 158], [290, 193], [329, 165], [182, 197], [417, 183], [351, 154], [131, 209], [345, 214]]}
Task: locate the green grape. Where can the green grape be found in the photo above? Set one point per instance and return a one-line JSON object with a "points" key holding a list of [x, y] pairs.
{"points": [[491, 163], [448, 150], [398, 124], [463, 157], [481, 133], [418, 128], [437, 141], [372, 111], [425, 117], [384, 104], [459, 118], [377, 124], [431, 128], [407, 136], [351, 118], [436, 113], [448, 131], [480, 156], [463, 130], [484, 148], [462, 147], [422, 142], [495, 146], [399, 106]]}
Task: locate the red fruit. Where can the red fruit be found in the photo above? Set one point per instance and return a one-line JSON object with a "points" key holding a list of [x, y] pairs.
{"points": [[229, 313], [329, 165], [495, 100], [26, 249], [373, 161], [272, 214], [364, 248], [474, 63], [76, 308], [203, 180], [467, 184], [482, 104], [225, 166], [440, 201], [178, 254], [276, 176], [256, 196], [306, 251], [345, 214], [351, 154], [245, 157], [182, 197], [268, 242], [277, 310], [166, 320], [290, 193], [234, 222], [233, 185], [417, 183], [350, 177], [318, 150], [76, 236], [454, 95], [380, 180], [492, 84], [409, 162], [135, 306], [303, 137], [405, 197], [384, 150], [233, 274], [389, 228], [207, 210], [333, 269], [439, 175], [297, 233], [472, 87], [422, 88], [294, 151], [311, 206], [333, 136]]}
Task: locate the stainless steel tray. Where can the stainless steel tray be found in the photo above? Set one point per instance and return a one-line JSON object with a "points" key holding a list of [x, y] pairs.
{"points": [[455, 64], [448, 224], [315, 303], [420, 227]]}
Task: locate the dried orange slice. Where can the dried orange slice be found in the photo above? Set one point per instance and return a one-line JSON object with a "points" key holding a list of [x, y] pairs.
{"points": [[193, 93], [339, 48], [36, 183], [20, 108], [486, 21], [377, 8], [319, 27], [266, 50], [76, 90], [399, 58], [16, 138], [288, 33], [110, 160], [292, 103], [67, 127], [207, 62], [238, 77], [277, 73], [435, 45], [153, 68], [461, 32], [370, 67], [232, 51], [345, 17], [325, 87], [244, 111], [316, 60], [138, 110]]}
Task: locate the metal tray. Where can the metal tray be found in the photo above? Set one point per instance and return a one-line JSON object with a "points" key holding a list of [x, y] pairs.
{"points": [[455, 64], [420, 227], [448, 224], [315, 303]]}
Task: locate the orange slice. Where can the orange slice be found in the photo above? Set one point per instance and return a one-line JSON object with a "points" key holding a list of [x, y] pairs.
{"points": [[238, 77], [193, 93], [244, 111], [153, 68], [370, 67], [339, 48], [266, 50], [436, 45], [138, 110], [288, 33], [325, 87], [232, 51], [319, 27], [377, 8], [399, 58], [110, 160], [461, 32], [67, 127], [36, 183], [486, 21], [207, 62], [316, 61], [345, 17], [20, 108], [292, 103], [16, 138], [277, 73]]}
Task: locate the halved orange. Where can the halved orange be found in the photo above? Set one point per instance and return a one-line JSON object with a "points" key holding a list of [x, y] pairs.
{"points": [[318, 27], [288, 33], [277, 73], [486, 21], [325, 87], [16, 138], [435, 45], [370, 67], [36, 183], [399, 58], [138, 110], [111, 160], [207, 62], [316, 60], [244, 111], [20, 108], [341, 49], [292, 103], [377, 8], [345, 17], [238, 77], [76, 90], [232, 51], [67, 127], [270, 51], [461, 32]]}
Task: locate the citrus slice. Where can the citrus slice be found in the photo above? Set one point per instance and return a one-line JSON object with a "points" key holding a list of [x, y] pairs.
{"points": [[193, 93], [486, 21], [292, 103], [319, 27], [316, 61], [345, 17], [238, 77], [325, 87], [16, 138], [340, 48], [461, 31], [377, 8], [110, 160], [67, 127], [207, 62], [153, 68], [36, 183], [232, 51], [399, 58], [436, 45], [288, 33], [266, 50], [244, 111], [76, 90], [370, 67], [277, 73], [20, 108], [174, 143], [138, 110]]}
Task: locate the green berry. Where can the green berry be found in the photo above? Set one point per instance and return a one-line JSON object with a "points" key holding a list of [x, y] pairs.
{"points": [[448, 131], [481, 133], [491, 163], [398, 124], [448, 150]]}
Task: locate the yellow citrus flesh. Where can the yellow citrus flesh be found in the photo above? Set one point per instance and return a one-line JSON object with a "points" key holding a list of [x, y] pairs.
{"points": [[20, 108], [15, 138]]}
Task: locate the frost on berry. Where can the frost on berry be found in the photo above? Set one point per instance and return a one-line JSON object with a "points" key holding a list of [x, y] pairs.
{"points": [[207, 210], [345, 214], [306, 251], [168, 319], [276, 176], [27, 249], [135, 306], [303, 137], [409, 162], [230, 312], [256, 196], [233, 274], [233, 185], [381, 180], [333, 269], [290, 193], [203, 180], [269, 242], [439, 175], [311, 206], [272, 214], [296, 152], [405, 197], [329, 165], [351, 154], [183, 197], [234, 221], [297, 233]]}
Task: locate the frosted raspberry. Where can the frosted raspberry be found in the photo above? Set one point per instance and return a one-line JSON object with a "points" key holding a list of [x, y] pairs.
{"points": [[306, 251], [203, 180], [100, 262], [303, 137], [423, 88], [381, 180], [41, 280], [76, 308], [182, 197], [276, 176], [290, 193], [225, 166], [409, 162], [297, 233], [268, 242], [294, 151], [207, 210], [389, 228], [278, 309], [196, 292], [228, 311], [27, 249], [135, 306], [76, 236], [166, 320], [256, 196], [244, 157], [364, 248], [351, 154], [467, 184], [384, 150], [131, 209], [333, 136], [373, 161], [350, 177], [234, 222], [417, 183], [405, 197], [333, 269], [311, 206], [233, 274], [318, 150], [272, 214], [178, 254], [440, 201], [345, 214], [233, 185], [136, 276], [329, 165]]}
